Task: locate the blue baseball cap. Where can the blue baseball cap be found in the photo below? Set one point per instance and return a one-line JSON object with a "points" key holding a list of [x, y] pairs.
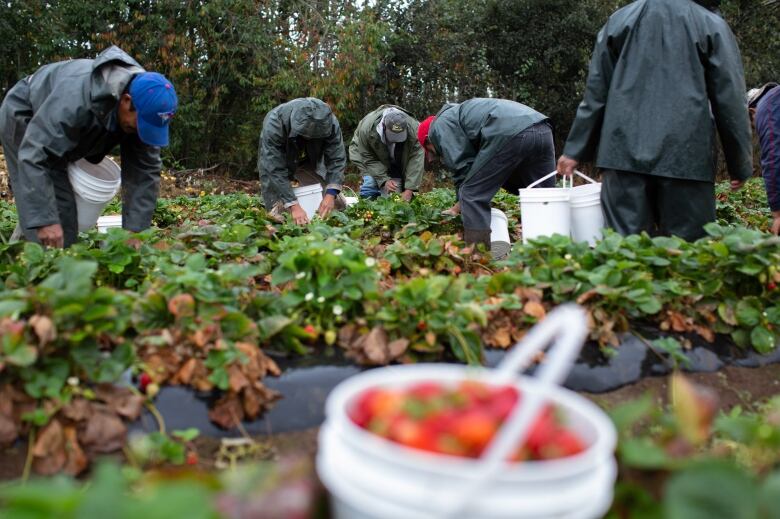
{"points": [[155, 102]]}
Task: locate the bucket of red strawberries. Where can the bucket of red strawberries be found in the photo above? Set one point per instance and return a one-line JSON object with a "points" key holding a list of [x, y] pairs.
{"points": [[449, 441]]}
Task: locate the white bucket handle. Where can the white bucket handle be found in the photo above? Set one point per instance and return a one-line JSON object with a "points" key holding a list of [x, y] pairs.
{"points": [[586, 177], [567, 324], [543, 179]]}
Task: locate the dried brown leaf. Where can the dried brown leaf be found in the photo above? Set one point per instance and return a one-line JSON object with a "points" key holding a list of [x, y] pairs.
{"points": [[77, 461], [375, 346], [49, 449], [44, 328], [397, 348], [120, 400], [237, 379], [9, 429], [534, 309], [104, 432], [587, 296], [227, 412], [78, 409], [184, 375]]}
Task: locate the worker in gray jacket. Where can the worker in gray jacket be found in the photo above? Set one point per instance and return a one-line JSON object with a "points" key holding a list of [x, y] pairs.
{"points": [[301, 142], [488, 144], [77, 109], [664, 76], [385, 147]]}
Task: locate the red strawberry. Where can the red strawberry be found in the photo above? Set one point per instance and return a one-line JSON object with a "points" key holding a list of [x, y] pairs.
{"points": [[412, 434], [502, 402], [560, 444], [144, 380], [192, 458], [771, 286], [474, 429], [426, 390]]}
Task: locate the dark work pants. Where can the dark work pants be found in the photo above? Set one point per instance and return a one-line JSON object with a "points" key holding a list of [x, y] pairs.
{"points": [[15, 114], [635, 202], [525, 158]]}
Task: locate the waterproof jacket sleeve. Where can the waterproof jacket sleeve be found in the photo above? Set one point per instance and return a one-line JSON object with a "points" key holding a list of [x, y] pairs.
{"points": [[272, 161], [51, 133], [141, 166], [415, 167], [365, 159], [335, 158], [583, 139], [726, 90], [456, 151]]}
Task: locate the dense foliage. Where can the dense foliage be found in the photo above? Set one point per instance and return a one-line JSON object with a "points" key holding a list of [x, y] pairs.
{"points": [[233, 60]]}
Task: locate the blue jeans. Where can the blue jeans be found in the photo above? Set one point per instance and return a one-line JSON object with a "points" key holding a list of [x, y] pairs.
{"points": [[369, 188]]}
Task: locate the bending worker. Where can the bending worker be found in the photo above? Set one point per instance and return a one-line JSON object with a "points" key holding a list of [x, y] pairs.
{"points": [[77, 109], [301, 141], [488, 144], [665, 74], [383, 150]]}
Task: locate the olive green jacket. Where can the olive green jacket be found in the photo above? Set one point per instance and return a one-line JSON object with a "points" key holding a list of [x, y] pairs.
{"points": [[467, 135], [280, 148], [370, 154], [665, 74]]}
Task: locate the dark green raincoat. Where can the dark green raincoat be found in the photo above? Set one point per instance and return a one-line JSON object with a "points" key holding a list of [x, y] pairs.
{"points": [[467, 135], [301, 128], [664, 75], [66, 111], [370, 155]]}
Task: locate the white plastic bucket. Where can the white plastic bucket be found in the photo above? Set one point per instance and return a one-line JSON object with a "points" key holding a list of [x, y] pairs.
{"points": [[370, 477], [108, 221], [94, 185], [309, 197], [587, 218], [545, 211], [499, 233]]}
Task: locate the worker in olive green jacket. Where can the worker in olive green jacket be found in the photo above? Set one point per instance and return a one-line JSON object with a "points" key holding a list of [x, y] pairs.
{"points": [[488, 144], [664, 76], [301, 142], [385, 148]]}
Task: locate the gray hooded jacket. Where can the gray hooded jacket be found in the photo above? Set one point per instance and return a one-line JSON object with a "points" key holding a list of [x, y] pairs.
{"points": [[66, 111], [665, 74], [304, 127]]}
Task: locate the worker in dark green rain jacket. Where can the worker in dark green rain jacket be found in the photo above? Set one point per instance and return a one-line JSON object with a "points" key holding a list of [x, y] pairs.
{"points": [[488, 144], [78, 109], [385, 147], [301, 142], [664, 76]]}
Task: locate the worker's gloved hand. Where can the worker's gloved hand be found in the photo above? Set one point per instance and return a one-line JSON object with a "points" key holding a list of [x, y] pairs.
{"points": [[567, 165], [298, 214], [326, 206], [51, 236]]}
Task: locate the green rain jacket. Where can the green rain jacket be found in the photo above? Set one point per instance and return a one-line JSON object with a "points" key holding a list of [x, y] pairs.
{"points": [[664, 75], [281, 150], [467, 135], [370, 154], [66, 111]]}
